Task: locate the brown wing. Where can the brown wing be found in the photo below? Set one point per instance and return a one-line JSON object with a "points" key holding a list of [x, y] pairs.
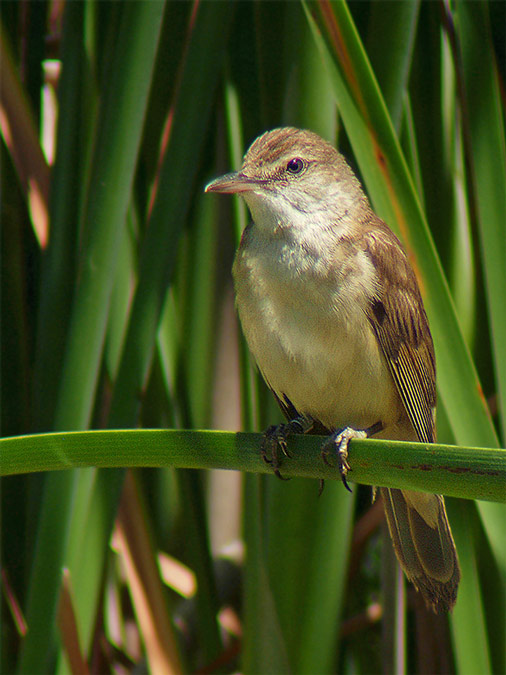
{"points": [[399, 321], [417, 521]]}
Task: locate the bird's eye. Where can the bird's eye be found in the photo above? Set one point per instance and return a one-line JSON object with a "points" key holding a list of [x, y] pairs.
{"points": [[295, 165]]}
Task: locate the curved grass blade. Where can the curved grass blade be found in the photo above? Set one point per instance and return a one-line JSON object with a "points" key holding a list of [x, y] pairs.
{"points": [[118, 138]]}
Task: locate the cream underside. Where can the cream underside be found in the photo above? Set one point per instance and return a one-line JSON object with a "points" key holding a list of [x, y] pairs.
{"points": [[305, 322]]}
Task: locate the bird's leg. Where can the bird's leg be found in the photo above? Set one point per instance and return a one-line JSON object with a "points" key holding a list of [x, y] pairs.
{"points": [[276, 437], [337, 444]]}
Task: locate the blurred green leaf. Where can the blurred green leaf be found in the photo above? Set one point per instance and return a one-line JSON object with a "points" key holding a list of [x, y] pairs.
{"points": [[487, 166], [116, 147]]}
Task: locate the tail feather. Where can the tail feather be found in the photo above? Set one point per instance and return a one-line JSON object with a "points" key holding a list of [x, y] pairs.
{"points": [[424, 545]]}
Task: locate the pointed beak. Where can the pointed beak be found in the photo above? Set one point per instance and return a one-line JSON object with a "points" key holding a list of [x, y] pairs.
{"points": [[234, 182]]}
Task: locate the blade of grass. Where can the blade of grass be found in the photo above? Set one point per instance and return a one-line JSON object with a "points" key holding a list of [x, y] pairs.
{"points": [[487, 159], [119, 133], [484, 148], [67, 626], [199, 311], [126, 274], [199, 559], [58, 271], [148, 597], [171, 206], [432, 103], [264, 649], [307, 81], [323, 600], [122, 115], [468, 618], [473, 473], [390, 39]]}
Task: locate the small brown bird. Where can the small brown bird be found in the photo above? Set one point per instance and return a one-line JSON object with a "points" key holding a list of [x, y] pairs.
{"points": [[331, 310]]}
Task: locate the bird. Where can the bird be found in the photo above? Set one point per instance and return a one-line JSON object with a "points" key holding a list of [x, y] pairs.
{"points": [[333, 315]]}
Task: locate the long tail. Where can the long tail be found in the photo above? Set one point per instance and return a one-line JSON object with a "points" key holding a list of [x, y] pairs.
{"points": [[424, 544]]}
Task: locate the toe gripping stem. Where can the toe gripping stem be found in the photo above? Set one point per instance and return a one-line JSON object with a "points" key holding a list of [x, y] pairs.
{"points": [[337, 446], [276, 437]]}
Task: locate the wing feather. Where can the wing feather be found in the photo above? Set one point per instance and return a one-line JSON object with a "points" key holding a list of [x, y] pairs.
{"points": [[398, 318]]}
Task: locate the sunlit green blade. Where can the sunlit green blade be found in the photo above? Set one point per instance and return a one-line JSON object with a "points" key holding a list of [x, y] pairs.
{"points": [[488, 171], [264, 646], [122, 114], [415, 466], [390, 38], [171, 206], [199, 316], [486, 164], [468, 618], [119, 132]]}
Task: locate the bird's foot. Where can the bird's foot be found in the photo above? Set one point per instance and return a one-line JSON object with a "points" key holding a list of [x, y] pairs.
{"points": [[276, 437], [337, 445]]}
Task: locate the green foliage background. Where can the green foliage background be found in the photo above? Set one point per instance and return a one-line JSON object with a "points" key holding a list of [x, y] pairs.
{"points": [[117, 313]]}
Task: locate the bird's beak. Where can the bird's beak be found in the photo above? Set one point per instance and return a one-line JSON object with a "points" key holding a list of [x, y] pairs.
{"points": [[234, 182]]}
